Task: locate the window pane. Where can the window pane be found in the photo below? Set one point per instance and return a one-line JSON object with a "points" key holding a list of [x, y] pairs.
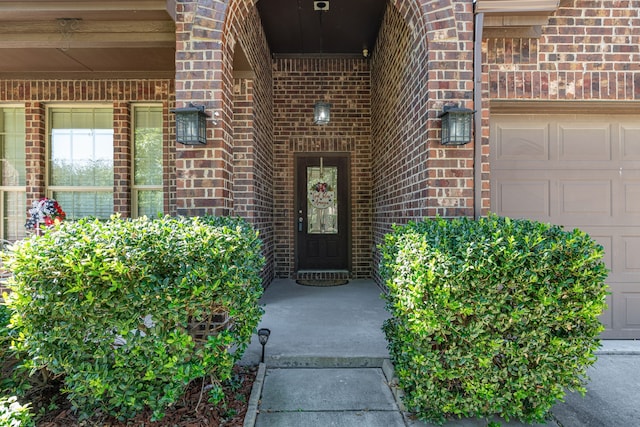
{"points": [[81, 148], [147, 149], [12, 146], [81, 204], [12, 173], [81, 155], [14, 215], [322, 203], [150, 203]]}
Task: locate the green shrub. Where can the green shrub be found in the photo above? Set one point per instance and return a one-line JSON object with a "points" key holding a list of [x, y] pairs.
{"points": [[13, 414], [107, 305], [8, 360], [491, 317]]}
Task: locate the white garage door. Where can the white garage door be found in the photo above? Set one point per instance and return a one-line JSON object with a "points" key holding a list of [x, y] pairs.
{"points": [[580, 171]]}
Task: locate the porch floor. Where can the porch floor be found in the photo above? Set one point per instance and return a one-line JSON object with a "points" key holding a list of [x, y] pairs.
{"points": [[336, 326]]}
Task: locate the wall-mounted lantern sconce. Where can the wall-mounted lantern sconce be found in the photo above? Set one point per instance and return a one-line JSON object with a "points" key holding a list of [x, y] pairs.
{"points": [[456, 125], [321, 113], [191, 125]]}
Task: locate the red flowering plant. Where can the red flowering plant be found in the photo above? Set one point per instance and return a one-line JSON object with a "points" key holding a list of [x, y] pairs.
{"points": [[44, 213]]}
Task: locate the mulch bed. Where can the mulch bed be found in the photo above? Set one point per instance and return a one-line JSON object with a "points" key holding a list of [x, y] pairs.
{"points": [[192, 410]]}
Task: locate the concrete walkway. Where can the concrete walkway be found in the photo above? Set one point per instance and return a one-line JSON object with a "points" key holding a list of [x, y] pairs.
{"points": [[326, 364]]}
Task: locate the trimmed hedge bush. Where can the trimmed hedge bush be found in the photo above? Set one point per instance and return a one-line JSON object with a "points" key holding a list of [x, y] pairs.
{"points": [[13, 379], [491, 317], [13, 414], [107, 305]]}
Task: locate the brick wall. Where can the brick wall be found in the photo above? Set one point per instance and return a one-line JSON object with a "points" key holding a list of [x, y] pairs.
{"points": [[122, 158], [36, 135], [425, 179], [590, 50], [232, 173], [37, 94], [423, 60], [253, 129], [298, 84], [204, 57]]}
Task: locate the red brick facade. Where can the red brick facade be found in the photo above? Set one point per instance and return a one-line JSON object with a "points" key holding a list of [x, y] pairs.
{"points": [[298, 84], [589, 51], [384, 112]]}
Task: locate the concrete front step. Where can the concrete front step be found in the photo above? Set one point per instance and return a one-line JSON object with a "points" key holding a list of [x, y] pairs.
{"points": [[327, 397]]}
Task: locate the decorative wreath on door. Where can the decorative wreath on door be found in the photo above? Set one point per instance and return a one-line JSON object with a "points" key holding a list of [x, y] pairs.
{"points": [[321, 195]]}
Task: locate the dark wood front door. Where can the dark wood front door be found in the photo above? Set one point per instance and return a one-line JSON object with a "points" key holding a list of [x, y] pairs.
{"points": [[322, 206]]}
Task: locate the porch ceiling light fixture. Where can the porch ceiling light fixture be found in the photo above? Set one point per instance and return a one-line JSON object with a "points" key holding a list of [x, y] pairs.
{"points": [[321, 113], [191, 125], [456, 125]]}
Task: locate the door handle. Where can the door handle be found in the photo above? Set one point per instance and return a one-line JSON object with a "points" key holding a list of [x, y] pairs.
{"points": [[300, 220]]}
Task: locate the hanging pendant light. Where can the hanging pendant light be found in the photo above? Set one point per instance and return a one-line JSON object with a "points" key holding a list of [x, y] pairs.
{"points": [[321, 113]]}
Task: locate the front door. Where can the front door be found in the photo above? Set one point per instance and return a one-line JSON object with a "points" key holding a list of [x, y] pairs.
{"points": [[322, 206]]}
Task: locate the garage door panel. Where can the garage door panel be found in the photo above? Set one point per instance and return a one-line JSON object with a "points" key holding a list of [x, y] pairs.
{"points": [[607, 316], [623, 312], [521, 141], [607, 243], [620, 319], [630, 142], [631, 253], [632, 198], [621, 250], [519, 197], [631, 310], [578, 142], [578, 172], [585, 198]]}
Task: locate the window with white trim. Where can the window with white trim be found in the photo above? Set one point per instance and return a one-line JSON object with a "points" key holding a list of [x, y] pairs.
{"points": [[80, 167], [13, 196], [147, 195]]}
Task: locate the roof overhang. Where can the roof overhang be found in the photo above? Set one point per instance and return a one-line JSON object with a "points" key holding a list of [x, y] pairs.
{"points": [[527, 7], [80, 38], [515, 18]]}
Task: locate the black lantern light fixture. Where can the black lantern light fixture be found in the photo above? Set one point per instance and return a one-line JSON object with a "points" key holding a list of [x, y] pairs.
{"points": [[456, 125], [321, 113], [191, 125], [263, 337]]}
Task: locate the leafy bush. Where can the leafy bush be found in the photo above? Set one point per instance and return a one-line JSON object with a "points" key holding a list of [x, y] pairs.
{"points": [[13, 414], [107, 305], [9, 382], [491, 317]]}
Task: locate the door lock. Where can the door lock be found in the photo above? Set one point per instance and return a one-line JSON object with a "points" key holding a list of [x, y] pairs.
{"points": [[300, 220]]}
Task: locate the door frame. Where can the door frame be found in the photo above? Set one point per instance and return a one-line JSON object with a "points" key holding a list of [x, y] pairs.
{"points": [[296, 202]]}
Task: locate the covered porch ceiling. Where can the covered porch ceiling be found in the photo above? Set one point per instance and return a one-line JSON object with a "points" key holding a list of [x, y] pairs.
{"points": [[136, 38], [328, 27], [52, 39]]}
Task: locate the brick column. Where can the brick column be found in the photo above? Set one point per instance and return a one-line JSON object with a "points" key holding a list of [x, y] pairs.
{"points": [[203, 77], [122, 158], [169, 159], [449, 32], [243, 151], [35, 115]]}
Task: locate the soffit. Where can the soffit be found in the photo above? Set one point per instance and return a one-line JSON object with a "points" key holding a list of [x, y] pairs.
{"points": [[48, 38], [344, 27], [515, 18], [499, 7]]}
